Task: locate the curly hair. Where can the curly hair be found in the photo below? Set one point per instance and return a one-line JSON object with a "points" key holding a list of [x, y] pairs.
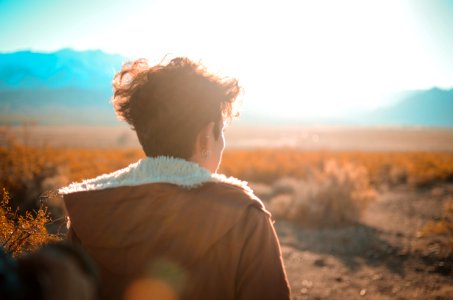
{"points": [[168, 105]]}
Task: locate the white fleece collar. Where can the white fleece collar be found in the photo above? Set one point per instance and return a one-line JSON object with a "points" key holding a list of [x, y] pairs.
{"points": [[161, 169]]}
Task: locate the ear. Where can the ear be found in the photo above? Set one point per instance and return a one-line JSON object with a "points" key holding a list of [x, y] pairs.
{"points": [[203, 137]]}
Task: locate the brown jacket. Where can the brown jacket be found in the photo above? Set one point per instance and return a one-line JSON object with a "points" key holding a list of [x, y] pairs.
{"points": [[214, 240]]}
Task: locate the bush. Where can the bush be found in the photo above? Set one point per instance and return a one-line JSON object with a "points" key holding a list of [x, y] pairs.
{"points": [[23, 233], [335, 196], [442, 230]]}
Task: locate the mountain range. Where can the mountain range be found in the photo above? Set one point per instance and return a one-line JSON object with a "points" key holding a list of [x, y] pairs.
{"points": [[428, 108], [74, 87]]}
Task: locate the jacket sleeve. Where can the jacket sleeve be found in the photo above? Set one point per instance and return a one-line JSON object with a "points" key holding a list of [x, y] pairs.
{"points": [[261, 273]]}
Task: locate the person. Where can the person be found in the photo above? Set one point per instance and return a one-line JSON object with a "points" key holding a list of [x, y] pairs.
{"points": [[169, 226], [57, 271]]}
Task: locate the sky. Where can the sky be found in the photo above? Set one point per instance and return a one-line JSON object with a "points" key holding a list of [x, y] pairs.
{"points": [[293, 58]]}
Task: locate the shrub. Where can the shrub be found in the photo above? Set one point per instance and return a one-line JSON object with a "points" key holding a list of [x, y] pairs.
{"points": [[22, 233], [335, 196], [442, 230]]}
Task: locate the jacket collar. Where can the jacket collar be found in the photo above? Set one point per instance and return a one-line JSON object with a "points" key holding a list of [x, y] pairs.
{"points": [[161, 169]]}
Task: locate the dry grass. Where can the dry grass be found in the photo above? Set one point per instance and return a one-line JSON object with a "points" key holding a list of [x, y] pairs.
{"points": [[335, 196], [384, 168], [442, 230], [28, 172], [20, 163]]}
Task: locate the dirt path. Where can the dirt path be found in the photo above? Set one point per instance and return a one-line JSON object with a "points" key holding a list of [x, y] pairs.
{"points": [[382, 258]]}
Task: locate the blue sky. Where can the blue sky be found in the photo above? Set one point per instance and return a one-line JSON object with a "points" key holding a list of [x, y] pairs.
{"points": [[292, 57]]}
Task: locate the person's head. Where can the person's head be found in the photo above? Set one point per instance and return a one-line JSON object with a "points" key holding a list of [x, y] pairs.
{"points": [[58, 271], [177, 109], [10, 286]]}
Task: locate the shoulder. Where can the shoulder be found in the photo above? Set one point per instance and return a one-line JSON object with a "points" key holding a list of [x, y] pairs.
{"points": [[232, 192]]}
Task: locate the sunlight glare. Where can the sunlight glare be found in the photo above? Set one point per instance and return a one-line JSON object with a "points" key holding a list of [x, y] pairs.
{"points": [[294, 58]]}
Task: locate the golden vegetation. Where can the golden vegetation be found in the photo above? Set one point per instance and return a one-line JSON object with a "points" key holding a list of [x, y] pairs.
{"points": [[335, 196], [269, 165], [25, 232], [442, 229], [29, 171], [20, 163]]}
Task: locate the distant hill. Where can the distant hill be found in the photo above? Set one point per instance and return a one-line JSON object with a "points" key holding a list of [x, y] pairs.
{"points": [[421, 108], [433, 108], [65, 68], [63, 87], [74, 87]]}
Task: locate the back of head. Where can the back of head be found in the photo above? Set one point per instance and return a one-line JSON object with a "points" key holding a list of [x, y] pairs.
{"points": [[168, 105], [9, 281], [58, 271]]}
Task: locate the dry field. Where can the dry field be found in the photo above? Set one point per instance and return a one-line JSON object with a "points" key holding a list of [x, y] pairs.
{"points": [[385, 256], [356, 221], [249, 137]]}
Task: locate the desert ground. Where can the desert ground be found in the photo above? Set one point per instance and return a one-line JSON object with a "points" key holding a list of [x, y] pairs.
{"points": [[382, 257]]}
